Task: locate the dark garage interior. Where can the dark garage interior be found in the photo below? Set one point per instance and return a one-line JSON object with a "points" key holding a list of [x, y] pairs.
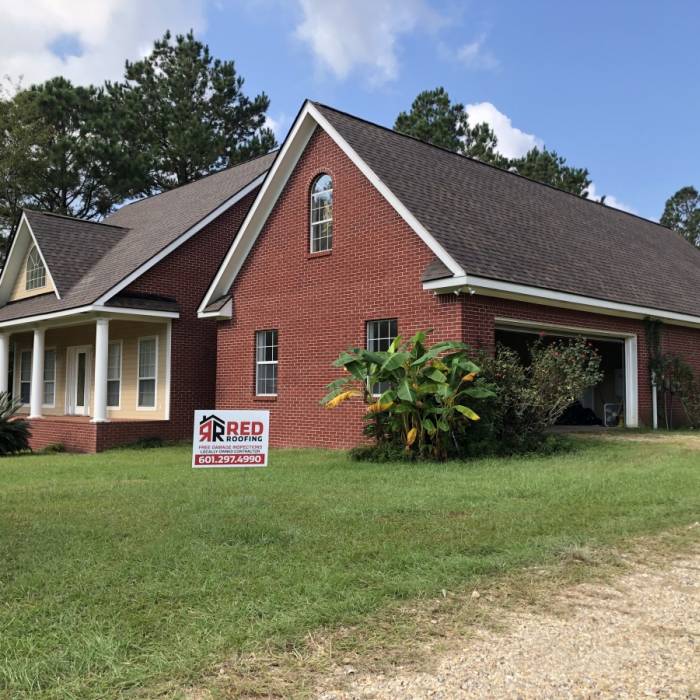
{"points": [[602, 404]]}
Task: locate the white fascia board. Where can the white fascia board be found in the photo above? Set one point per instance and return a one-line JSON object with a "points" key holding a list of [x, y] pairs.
{"points": [[271, 189], [92, 308], [539, 295], [182, 239], [10, 261], [225, 312], [309, 117]]}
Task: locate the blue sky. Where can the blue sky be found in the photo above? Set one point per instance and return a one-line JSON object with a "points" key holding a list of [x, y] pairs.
{"points": [[612, 86]]}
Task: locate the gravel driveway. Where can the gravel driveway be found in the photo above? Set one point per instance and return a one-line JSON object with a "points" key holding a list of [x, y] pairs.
{"points": [[638, 637]]}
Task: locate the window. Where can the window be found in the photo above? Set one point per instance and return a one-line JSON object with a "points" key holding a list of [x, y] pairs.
{"points": [[49, 398], [25, 376], [35, 277], [380, 335], [148, 351], [266, 363], [322, 214], [114, 374]]}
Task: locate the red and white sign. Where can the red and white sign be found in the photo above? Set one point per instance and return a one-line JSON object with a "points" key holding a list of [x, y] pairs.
{"points": [[230, 438]]}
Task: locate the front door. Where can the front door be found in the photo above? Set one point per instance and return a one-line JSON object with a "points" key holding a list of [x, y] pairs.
{"points": [[78, 381]]}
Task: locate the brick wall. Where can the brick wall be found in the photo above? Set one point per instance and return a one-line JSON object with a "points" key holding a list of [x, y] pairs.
{"points": [[185, 276], [320, 303]]}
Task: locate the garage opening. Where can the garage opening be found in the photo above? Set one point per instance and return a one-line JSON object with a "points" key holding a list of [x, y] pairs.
{"points": [[600, 405]]}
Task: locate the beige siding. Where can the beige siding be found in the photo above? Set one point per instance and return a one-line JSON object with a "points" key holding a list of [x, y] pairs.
{"points": [[19, 291], [60, 339]]}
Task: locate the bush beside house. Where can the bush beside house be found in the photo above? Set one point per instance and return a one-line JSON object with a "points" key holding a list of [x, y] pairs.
{"points": [[436, 402]]}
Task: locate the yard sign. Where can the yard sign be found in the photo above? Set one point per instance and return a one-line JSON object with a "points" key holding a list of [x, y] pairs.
{"points": [[230, 438]]}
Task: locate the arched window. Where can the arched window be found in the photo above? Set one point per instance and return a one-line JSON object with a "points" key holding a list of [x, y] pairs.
{"points": [[322, 214], [36, 272]]}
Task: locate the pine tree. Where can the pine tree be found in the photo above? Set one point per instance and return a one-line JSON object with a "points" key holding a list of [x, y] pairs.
{"points": [[435, 119], [682, 213], [187, 113]]}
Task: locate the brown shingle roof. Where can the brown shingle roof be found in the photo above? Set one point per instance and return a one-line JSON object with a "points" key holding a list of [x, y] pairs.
{"points": [[87, 259], [502, 226]]}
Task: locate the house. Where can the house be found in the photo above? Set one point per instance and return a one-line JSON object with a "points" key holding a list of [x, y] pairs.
{"points": [[99, 336], [359, 234]]}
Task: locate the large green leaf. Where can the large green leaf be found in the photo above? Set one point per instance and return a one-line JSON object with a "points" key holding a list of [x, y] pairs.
{"points": [[436, 375], [466, 411], [405, 392], [479, 392], [395, 360]]}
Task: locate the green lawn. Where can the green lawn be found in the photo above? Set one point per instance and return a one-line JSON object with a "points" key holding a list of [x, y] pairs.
{"points": [[126, 569]]}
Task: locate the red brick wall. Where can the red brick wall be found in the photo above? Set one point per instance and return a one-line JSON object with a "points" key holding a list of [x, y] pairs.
{"points": [[185, 276], [319, 304], [75, 436]]}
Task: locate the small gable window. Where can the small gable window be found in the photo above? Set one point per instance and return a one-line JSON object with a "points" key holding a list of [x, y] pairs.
{"points": [[36, 272], [322, 214]]}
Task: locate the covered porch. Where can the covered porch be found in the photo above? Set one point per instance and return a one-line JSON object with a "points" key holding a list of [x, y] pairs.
{"points": [[89, 380]]}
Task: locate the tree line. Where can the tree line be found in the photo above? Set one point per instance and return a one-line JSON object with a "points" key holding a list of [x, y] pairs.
{"points": [[177, 115], [180, 114]]}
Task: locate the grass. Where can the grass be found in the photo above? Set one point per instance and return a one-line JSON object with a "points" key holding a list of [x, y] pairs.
{"points": [[123, 570]]}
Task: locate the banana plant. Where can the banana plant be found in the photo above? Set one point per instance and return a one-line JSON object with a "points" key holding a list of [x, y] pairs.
{"points": [[427, 406]]}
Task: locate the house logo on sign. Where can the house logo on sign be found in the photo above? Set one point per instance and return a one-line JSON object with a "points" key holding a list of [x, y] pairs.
{"points": [[212, 429]]}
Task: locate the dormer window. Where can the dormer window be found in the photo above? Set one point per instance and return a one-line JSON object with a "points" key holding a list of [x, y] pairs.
{"points": [[36, 272], [322, 214]]}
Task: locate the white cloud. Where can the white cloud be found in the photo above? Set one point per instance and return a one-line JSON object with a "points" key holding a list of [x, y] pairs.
{"points": [[95, 36], [512, 142], [278, 124], [346, 34], [610, 200], [475, 56]]}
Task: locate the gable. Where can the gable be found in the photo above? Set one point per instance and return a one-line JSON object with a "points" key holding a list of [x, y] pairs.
{"points": [[308, 120], [13, 278], [20, 291]]}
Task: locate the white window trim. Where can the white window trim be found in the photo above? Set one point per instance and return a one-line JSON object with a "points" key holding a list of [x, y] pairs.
{"points": [[18, 370], [379, 320], [266, 362], [120, 343], [313, 223], [41, 266], [138, 374], [55, 374]]}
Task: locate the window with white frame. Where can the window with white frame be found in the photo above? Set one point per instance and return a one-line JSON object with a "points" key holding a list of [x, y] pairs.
{"points": [[322, 214], [35, 277], [49, 397], [380, 335], [266, 363], [25, 376], [114, 374], [148, 351]]}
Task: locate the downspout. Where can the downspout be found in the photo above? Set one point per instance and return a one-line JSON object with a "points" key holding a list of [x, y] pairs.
{"points": [[654, 402]]}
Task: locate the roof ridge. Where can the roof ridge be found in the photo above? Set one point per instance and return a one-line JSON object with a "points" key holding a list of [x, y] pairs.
{"points": [[204, 177], [490, 165], [74, 218]]}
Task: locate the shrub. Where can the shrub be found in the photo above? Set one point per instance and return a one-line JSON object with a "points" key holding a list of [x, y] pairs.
{"points": [[54, 448], [425, 408], [532, 396], [14, 431]]}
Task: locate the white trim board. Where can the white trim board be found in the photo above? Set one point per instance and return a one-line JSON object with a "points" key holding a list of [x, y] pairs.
{"points": [[308, 120], [93, 308], [548, 297], [183, 238]]}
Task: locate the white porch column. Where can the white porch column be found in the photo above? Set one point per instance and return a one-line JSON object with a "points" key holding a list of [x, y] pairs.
{"points": [[37, 386], [4, 361], [99, 412]]}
